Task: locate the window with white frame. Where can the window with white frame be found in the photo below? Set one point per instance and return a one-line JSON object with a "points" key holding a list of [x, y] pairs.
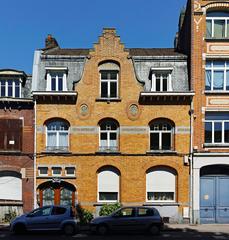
{"points": [[57, 135], [217, 76], [108, 135], [161, 80], [56, 171], [43, 171], [161, 135], [217, 127], [10, 88], [217, 25], [108, 185], [109, 83], [160, 185], [56, 80], [70, 171]]}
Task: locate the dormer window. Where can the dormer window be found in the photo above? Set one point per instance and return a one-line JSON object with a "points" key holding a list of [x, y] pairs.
{"points": [[56, 79], [10, 88], [217, 25], [161, 80]]}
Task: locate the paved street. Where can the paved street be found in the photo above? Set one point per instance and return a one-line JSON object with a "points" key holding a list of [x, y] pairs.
{"points": [[186, 232]]}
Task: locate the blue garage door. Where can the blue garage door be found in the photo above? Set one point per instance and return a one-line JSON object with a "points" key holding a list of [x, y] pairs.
{"points": [[214, 199]]}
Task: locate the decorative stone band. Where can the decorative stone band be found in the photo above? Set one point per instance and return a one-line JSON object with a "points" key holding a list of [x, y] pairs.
{"points": [[40, 129], [123, 130], [133, 130], [182, 130], [84, 130]]}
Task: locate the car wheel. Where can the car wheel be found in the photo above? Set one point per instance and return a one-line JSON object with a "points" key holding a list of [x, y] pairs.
{"points": [[154, 230], [69, 229], [102, 229], [19, 228]]}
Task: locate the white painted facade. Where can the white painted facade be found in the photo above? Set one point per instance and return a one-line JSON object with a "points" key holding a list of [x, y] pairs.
{"points": [[201, 160]]}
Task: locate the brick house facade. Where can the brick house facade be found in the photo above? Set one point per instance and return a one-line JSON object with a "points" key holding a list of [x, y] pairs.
{"points": [[16, 143], [112, 124], [208, 53]]}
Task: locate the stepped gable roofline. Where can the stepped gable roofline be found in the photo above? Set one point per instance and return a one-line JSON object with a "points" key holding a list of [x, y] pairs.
{"points": [[148, 52]]}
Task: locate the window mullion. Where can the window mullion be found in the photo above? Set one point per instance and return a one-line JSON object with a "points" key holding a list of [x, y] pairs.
{"points": [[222, 140], [213, 28], [160, 140], [212, 76], [6, 88], [57, 84], [213, 132], [161, 82]]}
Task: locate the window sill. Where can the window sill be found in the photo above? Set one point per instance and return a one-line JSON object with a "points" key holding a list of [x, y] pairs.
{"points": [[217, 145], [10, 152], [105, 202], [216, 92], [212, 39], [108, 100], [108, 152], [161, 204], [161, 152], [56, 151]]}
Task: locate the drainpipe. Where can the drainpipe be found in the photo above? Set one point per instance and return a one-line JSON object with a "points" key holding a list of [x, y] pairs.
{"points": [[35, 155], [191, 162]]}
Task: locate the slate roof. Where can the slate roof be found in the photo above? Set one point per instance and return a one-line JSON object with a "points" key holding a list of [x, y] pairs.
{"points": [[154, 52], [132, 51]]}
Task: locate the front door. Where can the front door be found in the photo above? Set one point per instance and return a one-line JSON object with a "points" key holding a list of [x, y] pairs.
{"points": [[214, 199]]}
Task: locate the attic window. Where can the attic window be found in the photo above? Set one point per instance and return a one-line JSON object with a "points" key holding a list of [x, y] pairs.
{"points": [[10, 88], [56, 79], [161, 80]]}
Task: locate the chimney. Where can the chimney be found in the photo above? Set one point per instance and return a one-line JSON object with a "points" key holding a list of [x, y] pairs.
{"points": [[50, 42]]}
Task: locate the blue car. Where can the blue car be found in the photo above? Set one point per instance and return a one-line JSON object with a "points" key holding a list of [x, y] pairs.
{"points": [[129, 219], [51, 218]]}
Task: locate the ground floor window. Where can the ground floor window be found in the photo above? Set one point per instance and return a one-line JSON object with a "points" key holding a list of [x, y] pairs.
{"points": [[58, 193], [108, 184], [160, 185]]}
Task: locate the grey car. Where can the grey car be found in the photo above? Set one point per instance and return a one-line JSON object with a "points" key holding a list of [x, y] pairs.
{"points": [[129, 219], [46, 218]]}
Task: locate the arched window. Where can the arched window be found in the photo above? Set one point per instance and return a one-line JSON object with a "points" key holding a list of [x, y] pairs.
{"points": [[108, 135], [217, 24], [108, 184], [56, 192], [57, 135], [109, 77], [160, 185], [161, 135], [10, 186]]}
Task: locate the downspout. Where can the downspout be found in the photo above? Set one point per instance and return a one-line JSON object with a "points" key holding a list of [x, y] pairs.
{"points": [[35, 155], [191, 162]]}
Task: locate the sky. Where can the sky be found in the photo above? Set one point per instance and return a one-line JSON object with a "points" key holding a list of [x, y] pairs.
{"points": [[24, 25]]}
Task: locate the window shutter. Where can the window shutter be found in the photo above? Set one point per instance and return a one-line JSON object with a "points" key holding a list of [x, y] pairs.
{"points": [[10, 134], [108, 181]]}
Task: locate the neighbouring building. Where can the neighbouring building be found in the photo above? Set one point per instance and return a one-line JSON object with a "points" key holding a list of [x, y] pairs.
{"points": [[208, 51], [112, 125], [16, 143]]}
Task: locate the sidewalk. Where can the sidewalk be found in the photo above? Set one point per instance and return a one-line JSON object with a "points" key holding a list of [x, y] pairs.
{"points": [[4, 226], [219, 228]]}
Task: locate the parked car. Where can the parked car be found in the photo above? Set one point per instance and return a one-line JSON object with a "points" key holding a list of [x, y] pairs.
{"points": [[47, 218], [129, 219]]}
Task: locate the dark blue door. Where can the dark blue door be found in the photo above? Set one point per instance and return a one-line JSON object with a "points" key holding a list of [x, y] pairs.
{"points": [[214, 199]]}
